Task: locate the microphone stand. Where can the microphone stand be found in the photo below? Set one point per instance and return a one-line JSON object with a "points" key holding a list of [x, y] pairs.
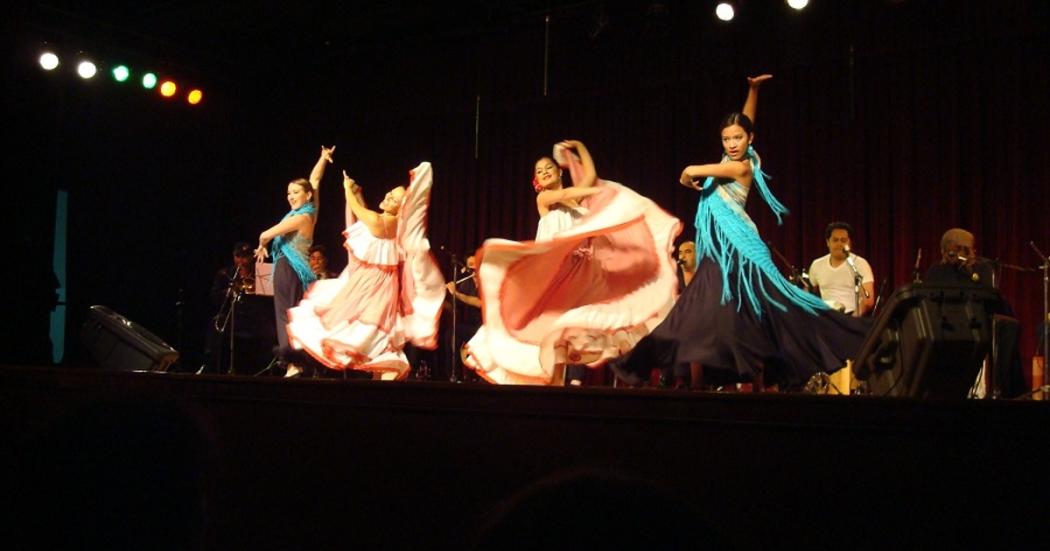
{"points": [[795, 276], [878, 296], [1046, 312], [231, 299], [453, 353], [915, 276], [857, 284]]}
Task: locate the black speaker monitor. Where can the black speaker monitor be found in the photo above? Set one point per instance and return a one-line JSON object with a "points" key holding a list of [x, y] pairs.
{"points": [[116, 342], [929, 341]]}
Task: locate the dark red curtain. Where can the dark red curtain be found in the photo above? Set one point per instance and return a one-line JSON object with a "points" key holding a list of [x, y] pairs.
{"points": [[901, 118]]}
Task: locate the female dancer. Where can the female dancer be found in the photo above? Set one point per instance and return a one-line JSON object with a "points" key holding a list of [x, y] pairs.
{"points": [[291, 239], [390, 292], [597, 278], [739, 313]]}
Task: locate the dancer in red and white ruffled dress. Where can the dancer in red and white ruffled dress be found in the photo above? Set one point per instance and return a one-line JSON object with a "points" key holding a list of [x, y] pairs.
{"points": [[389, 294], [598, 277]]}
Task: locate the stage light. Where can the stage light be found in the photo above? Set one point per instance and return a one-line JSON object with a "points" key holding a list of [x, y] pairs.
{"points": [[194, 97], [86, 69], [798, 4], [121, 73], [48, 61], [149, 80], [724, 11], [167, 88]]}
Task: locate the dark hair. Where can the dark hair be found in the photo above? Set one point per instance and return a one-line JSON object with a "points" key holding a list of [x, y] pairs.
{"points": [[318, 248], [838, 226], [243, 249], [737, 117]]}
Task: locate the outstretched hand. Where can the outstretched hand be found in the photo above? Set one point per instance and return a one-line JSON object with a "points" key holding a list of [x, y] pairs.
{"points": [[570, 144], [754, 82], [261, 253], [326, 153]]}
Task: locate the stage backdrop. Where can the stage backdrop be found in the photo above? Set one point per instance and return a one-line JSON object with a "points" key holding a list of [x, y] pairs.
{"points": [[901, 118]]}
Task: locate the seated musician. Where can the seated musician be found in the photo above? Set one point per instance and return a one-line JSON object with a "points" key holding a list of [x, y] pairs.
{"points": [[464, 288], [961, 265], [238, 317], [835, 274], [319, 262]]}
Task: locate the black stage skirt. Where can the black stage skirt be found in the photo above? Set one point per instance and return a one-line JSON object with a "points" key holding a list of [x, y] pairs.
{"points": [[791, 345]]}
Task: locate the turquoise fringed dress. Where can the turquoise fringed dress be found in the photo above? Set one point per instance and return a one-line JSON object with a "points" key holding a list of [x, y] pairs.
{"points": [[739, 312]]}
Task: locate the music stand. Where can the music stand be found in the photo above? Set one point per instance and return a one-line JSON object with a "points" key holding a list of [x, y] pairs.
{"points": [[929, 341], [264, 279]]}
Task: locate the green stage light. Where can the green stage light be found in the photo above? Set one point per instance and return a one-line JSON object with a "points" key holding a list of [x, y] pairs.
{"points": [[121, 73], [149, 80]]}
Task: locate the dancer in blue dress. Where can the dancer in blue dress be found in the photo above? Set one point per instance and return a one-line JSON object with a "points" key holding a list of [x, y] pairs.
{"points": [[739, 313]]}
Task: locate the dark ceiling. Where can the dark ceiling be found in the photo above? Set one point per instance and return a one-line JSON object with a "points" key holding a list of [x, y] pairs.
{"points": [[219, 35], [241, 35]]}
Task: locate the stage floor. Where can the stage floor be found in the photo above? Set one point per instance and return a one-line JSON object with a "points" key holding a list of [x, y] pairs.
{"points": [[273, 463]]}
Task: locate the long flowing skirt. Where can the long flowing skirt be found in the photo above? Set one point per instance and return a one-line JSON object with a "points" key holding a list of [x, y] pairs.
{"points": [[791, 345], [585, 296]]}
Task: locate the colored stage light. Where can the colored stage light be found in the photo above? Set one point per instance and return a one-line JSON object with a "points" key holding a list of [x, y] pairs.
{"points": [[149, 80], [167, 88], [194, 97], [798, 4], [86, 69], [48, 61], [121, 73], [725, 11]]}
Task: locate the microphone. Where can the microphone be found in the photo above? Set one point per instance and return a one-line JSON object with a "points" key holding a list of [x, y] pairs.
{"points": [[680, 261], [856, 272], [977, 259], [849, 258]]}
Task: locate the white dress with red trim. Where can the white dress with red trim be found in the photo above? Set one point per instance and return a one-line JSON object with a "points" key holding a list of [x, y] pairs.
{"points": [[389, 294], [596, 280]]}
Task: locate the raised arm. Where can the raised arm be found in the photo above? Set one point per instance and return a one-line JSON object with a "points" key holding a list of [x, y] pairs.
{"points": [[355, 190], [551, 196], [751, 103], [318, 172], [590, 175], [355, 207]]}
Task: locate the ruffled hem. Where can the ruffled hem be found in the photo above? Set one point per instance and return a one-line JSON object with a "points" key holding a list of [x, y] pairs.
{"points": [[584, 297]]}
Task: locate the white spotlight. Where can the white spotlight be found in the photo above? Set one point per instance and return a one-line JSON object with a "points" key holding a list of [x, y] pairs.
{"points": [[48, 61], [86, 69], [724, 11], [798, 4]]}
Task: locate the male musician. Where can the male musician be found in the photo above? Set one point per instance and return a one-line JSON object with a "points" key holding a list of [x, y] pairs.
{"points": [[319, 262], [959, 261], [835, 274], [250, 325], [241, 274], [960, 265], [686, 263], [468, 309]]}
